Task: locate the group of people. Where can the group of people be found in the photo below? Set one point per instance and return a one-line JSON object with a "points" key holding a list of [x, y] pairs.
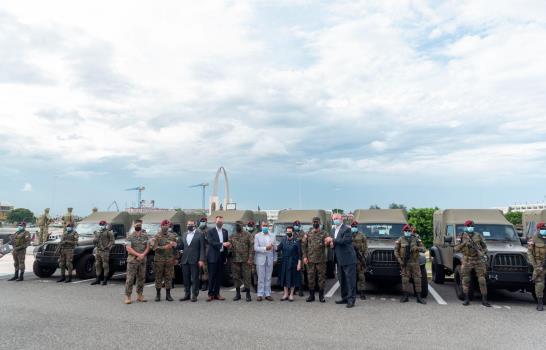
{"points": [[203, 255]]}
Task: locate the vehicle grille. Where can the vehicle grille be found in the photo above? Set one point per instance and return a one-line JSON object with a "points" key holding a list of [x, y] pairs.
{"points": [[117, 249], [510, 263], [49, 249], [383, 258]]}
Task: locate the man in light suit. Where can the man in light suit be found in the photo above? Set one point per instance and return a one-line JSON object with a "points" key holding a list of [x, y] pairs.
{"points": [[217, 240], [341, 240], [265, 248], [192, 247]]}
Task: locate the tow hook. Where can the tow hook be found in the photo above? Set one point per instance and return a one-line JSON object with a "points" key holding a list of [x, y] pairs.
{"points": [[493, 277]]}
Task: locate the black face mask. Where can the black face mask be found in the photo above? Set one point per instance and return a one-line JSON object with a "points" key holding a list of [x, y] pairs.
{"points": [[316, 225], [191, 227], [289, 234], [138, 228], [238, 228], [219, 224]]}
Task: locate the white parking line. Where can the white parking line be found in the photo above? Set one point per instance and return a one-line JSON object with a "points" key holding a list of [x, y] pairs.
{"points": [[92, 279], [508, 307], [436, 296], [332, 290], [149, 285]]}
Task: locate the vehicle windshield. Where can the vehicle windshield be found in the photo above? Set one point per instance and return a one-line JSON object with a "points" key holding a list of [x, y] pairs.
{"points": [[87, 229], [151, 229], [381, 231], [279, 230], [504, 233]]}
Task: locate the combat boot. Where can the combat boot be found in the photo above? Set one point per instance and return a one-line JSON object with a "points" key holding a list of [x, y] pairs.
{"points": [[105, 281], [466, 301], [300, 293], [404, 298], [362, 296], [484, 301], [321, 296], [157, 294], [237, 294], [127, 299], [540, 306], [62, 279], [311, 296], [140, 298], [248, 297], [97, 281], [15, 277], [69, 278], [204, 287], [21, 274], [168, 295], [420, 300]]}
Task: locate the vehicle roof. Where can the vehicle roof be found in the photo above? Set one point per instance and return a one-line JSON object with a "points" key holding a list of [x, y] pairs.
{"points": [[232, 215], [378, 216], [479, 216], [534, 213], [303, 215], [108, 216], [156, 217]]}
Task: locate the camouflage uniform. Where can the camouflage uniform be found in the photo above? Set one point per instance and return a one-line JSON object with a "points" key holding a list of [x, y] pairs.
{"points": [[68, 217], [66, 246], [536, 255], [104, 240], [242, 248], [136, 268], [360, 243], [43, 222], [409, 264], [314, 250], [472, 260], [163, 260], [20, 241]]}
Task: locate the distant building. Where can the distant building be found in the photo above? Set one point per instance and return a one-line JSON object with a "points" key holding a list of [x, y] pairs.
{"points": [[5, 208], [522, 207]]}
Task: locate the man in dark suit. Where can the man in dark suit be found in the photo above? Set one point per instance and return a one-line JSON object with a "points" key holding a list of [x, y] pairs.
{"points": [[192, 245], [217, 240], [341, 240]]}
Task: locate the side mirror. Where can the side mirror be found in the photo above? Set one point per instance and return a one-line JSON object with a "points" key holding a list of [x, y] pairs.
{"points": [[448, 239], [523, 240]]}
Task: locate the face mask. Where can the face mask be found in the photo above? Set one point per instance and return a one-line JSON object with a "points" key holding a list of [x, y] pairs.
{"points": [[202, 224], [289, 234], [250, 229], [316, 225], [69, 229], [354, 229], [19, 228], [407, 233], [543, 232], [219, 224], [138, 228], [191, 227], [469, 229], [296, 228], [102, 227], [164, 229], [337, 222], [265, 229]]}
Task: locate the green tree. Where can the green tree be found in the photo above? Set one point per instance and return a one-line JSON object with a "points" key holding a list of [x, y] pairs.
{"points": [[421, 219], [514, 217], [20, 214], [397, 206], [375, 206]]}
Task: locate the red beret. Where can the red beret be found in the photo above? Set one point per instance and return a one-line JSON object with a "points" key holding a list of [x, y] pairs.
{"points": [[102, 222], [203, 219], [354, 223], [541, 225], [406, 227], [251, 222], [165, 223], [297, 223], [468, 223]]}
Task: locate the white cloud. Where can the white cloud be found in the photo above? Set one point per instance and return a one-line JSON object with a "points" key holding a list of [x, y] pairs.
{"points": [[27, 187]]}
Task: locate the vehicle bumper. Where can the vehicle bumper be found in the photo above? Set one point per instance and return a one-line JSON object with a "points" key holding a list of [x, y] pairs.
{"points": [[47, 260], [508, 279], [380, 272]]}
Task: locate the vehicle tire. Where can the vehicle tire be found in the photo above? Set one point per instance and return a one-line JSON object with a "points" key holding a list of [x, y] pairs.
{"points": [[85, 268], [150, 271], [438, 273], [424, 282], [42, 271], [330, 269], [458, 283]]}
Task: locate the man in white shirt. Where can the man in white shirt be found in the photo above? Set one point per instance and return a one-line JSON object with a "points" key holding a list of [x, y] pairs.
{"points": [[265, 248]]}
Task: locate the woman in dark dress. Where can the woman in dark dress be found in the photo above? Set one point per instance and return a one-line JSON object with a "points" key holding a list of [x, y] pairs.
{"points": [[290, 263]]}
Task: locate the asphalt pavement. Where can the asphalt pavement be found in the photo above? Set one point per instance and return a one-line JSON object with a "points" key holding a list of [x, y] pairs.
{"points": [[40, 313]]}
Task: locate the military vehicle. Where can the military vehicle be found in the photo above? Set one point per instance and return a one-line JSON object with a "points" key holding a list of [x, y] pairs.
{"points": [[382, 228], [151, 223], [507, 266], [530, 219], [287, 217], [47, 257]]}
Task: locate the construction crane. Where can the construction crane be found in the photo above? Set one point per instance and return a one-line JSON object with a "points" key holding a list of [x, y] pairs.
{"points": [[115, 204], [203, 186], [139, 189]]}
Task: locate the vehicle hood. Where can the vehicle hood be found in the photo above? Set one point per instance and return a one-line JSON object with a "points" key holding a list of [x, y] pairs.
{"points": [[381, 243], [505, 247]]}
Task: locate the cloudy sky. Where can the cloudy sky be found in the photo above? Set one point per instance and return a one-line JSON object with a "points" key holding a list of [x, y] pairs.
{"points": [[418, 102]]}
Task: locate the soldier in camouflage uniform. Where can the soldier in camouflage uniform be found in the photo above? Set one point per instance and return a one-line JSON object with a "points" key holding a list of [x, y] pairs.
{"points": [[163, 244], [242, 259], [43, 223], [103, 241], [20, 240], [360, 243], [252, 230], [137, 248], [66, 246], [68, 217], [314, 257], [203, 271], [536, 255], [406, 251], [300, 276], [474, 250]]}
